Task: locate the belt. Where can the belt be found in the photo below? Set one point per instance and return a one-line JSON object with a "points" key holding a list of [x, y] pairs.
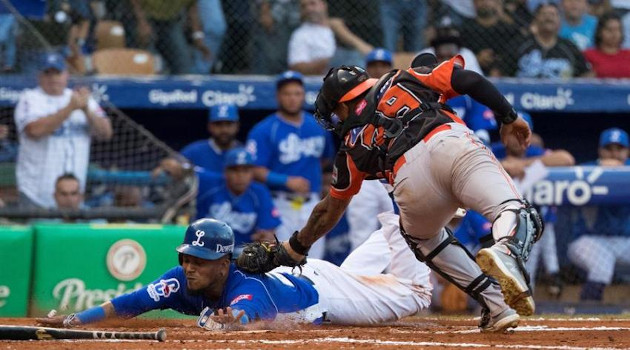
{"points": [[401, 160]]}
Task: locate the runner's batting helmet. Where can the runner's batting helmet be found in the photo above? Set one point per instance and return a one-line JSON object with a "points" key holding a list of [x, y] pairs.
{"points": [[207, 239], [341, 84]]}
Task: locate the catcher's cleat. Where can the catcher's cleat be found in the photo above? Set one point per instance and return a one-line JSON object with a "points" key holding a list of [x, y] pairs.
{"points": [[499, 263], [500, 323]]}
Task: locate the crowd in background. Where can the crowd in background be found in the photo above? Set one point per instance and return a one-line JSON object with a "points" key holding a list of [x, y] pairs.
{"points": [[522, 38]]}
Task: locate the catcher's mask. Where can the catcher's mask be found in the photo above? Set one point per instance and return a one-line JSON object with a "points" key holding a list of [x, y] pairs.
{"points": [[341, 84], [207, 239]]}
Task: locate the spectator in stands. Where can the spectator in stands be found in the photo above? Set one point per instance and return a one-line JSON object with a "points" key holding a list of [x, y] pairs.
{"points": [[68, 194], [378, 62], [519, 12], [288, 147], [492, 36], [243, 204], [8, 32], [55, 125], [448, 43], [312, 46], [546, 55], [8, 149], [276, 20], [235, 51], [603, 232], [608, 58], [406, 18], [577, 25], [213, 28], [223, 126], [162, 21]]}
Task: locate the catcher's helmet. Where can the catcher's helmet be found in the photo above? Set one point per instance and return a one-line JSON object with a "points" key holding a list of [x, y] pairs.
{"points": [[341, 84], [207, 239]]}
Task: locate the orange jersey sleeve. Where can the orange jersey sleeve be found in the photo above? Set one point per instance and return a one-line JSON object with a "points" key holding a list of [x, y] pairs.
{"points": [[439, 79]]}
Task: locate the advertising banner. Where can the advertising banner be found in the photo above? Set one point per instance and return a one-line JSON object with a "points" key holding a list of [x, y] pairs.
{"points": [[16, 250], [258, 92], [82, 265]]}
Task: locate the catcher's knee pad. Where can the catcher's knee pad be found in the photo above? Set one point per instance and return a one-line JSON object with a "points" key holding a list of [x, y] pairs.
{"points": [[451, 260], [519, 227]]}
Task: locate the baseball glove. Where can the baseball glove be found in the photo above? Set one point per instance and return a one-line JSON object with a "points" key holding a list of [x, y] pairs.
{"points": [[261, 257]]}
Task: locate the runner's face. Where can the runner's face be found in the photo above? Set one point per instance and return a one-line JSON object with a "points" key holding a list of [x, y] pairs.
{"points": [[202, 274]]}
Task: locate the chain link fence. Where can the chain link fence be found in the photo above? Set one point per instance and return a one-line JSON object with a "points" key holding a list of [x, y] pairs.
{"points": [[254, 36]]}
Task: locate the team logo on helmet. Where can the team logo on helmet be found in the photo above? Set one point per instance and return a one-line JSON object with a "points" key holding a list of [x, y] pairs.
{"points": [[198, 242]]}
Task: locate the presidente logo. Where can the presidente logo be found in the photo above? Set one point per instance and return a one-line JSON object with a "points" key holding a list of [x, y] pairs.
{"points": [[5, 292], [577, 192], [126, 260], [71, 294]]}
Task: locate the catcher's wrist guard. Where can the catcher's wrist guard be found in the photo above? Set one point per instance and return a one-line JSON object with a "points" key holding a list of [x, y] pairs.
{"points": [[297, 247]]}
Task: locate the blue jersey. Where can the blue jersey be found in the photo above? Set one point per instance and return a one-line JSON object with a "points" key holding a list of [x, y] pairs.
{"points": [[262, 297], [290, 149], [474, 114], [532, 151], [205, 154], [246, 213], [473, 227]]}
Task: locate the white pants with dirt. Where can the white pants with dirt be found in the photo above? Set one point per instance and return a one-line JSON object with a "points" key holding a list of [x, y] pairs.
{"points": [[453, 169], [371, 297]]}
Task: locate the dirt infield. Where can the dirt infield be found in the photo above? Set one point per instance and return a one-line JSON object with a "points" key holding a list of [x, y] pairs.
{"points": [[417, 332]]}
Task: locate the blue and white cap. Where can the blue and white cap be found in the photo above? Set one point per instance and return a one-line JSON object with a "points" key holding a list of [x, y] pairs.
{"points": [[614, 135], [379, 55], [223, 113], [289, 76], [52, 60], [238, 156]]}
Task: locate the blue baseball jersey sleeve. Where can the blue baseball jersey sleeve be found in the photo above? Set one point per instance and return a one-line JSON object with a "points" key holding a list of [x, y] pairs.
{"points": [[473, 227], [262, 297], [475, 115], [205, 154], [291, 149], [246, 213]]}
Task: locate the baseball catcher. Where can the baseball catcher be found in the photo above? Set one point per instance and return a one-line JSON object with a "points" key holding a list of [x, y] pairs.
{"points": [[398, 128]]}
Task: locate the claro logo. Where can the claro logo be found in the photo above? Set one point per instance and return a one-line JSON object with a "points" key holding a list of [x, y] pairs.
{"points": [[576, 192], [559, 101], [241, 98]]}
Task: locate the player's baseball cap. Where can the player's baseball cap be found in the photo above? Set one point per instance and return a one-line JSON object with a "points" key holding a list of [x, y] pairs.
{"points": [[223, 113], [287, 77], [238, 156], [614, 135], [379, 55], [52, 60]]}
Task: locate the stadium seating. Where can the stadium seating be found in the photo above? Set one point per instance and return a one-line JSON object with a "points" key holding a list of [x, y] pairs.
{"points": [[109, 34], [121, 61]]}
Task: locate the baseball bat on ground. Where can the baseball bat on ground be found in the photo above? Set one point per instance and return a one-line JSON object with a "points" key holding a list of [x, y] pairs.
{"points": [[46, 333]]}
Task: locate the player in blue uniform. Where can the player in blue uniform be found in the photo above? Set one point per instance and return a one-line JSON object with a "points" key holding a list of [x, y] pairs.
{"points": [[208, 284], [289, 146], [602, 233], [244, 205], [223, 126]]}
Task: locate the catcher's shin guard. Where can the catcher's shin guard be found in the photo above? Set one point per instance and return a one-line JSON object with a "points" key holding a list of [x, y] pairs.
{"points": [[518, 227], [445, 255]]}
